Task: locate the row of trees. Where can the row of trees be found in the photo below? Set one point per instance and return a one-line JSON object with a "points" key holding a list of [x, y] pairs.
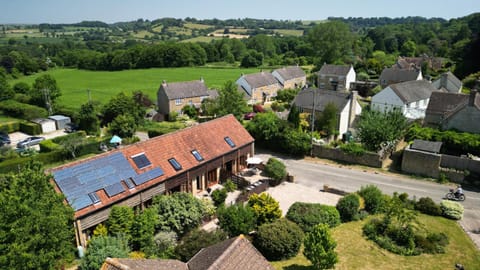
{"points": [[368, 49]]}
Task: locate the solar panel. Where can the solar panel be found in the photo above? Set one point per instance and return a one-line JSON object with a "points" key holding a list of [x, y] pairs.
{"points": [[114, 189], [147, 176], [229, 141], [80, 202], [129, 183], [141, 161], [175, 164], [94, 197], [197, 155]]}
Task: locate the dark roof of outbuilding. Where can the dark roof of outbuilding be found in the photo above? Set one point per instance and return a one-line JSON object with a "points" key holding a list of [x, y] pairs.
{"points": [[185, 89], [413, 90], [427, 146], [231, 254], [445, 103], [304, 99], [339, 70], [448, 76], [291, 72], [260, 79], [394, 75]]}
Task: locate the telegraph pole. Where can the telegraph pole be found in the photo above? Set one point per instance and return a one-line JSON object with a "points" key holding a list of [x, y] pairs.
{"points": [[313, 119]]}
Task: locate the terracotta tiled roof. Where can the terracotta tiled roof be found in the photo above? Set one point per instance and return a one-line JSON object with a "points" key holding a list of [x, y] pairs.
{"points": [[291, 72], [184, 89], [142, 264], [231, 254], [339, 70], [207, 138], [260, 79]]}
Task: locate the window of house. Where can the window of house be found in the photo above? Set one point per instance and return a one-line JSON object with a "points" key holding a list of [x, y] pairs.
{"points": [[178, 101], [129, 183], [175, 164], [229, 141], [197, 155], [94, 197], [141, 161]]}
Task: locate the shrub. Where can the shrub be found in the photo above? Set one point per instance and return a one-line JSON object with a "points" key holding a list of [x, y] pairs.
{"points": [[275, 169], [453, 210], [353, 148], [434, 243], [102, 247], [49, 146], [320, 247], [236, 219], [374, 200], [348, 207], [10, 127], [308, 215], [165, 242], [230, 186], [219, 196], [266, 208], [195, 240], [22, 110], [427, 206], [30, 128], [279, 240]]}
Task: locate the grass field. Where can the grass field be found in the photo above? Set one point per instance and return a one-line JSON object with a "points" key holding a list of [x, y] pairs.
{"points": [[75, 83], [289, 32], [355, 252]]}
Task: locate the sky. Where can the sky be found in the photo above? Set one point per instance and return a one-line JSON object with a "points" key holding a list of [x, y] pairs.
{"points": [[110, 11]]}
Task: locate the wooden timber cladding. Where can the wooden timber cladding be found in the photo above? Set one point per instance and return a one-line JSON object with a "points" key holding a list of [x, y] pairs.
{"points": [[102, 215], [176, 181]]}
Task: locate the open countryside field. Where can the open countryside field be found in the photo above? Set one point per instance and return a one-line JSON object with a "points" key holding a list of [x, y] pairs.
{"points": [[75, 83], [356, 252]]}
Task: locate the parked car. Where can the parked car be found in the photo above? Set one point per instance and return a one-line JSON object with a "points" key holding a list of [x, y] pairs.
{"points": [[4, 138], [30, 141], [71, 127]]}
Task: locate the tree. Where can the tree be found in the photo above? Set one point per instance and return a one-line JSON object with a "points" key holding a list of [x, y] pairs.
{"points": [[219, 196], [252, 59], [190, 110], [327, 121], [294, 116], [123, 125], [265, 207], [6, 92], [87, 118], [236, 219], [275, 169], [143, 231], [120, 221], [374, 201], [195, 240], [265, 126], [36, 229], [331, 41], [179, 212], [319, 247], [230, 101], [102, 247], [71, 144], [122, 104], [165, 242], [375, 128], [278, 240], [45, 91], [22, 88]]}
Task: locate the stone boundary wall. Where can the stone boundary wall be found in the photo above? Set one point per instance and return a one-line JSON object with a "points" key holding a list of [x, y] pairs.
{"points": [[367, 159]]}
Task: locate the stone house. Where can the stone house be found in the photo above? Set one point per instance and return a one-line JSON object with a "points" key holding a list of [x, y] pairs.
{"points": [[259, 87], [188, 160], [336, 77], [316, 99], [172, 97], [291, 77], [448, 82], [411, 98]]}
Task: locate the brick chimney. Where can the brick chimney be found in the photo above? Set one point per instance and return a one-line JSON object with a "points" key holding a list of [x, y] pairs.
{"points": [[164, 83]]}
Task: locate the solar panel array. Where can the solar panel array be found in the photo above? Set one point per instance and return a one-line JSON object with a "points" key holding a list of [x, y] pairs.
{"points": [[147, 176], [78, 181]]}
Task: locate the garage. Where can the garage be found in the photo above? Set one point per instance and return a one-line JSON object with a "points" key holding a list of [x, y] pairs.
{"points": [[47, 125]]}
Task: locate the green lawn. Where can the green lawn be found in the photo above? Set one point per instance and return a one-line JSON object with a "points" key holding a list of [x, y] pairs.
{"points": [[75, 83], [355, 252]]}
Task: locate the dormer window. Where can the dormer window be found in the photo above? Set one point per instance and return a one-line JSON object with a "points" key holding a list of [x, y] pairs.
{"points": [[197, 155]]}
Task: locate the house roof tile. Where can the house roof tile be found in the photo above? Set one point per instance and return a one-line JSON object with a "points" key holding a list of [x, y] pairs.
{"points": [[445, 103], [112, 167], [142, 264], [412, 91], [304, 99], [394, 75], [260, 79], [231, 254], [338, 70], [177, 90], [291, 72]]}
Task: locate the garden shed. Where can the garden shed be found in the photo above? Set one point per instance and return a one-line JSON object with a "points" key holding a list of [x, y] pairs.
{"points": [[47, 125], [60, 121]]}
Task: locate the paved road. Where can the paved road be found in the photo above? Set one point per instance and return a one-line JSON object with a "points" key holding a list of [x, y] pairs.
{"points": [[315, 173]]}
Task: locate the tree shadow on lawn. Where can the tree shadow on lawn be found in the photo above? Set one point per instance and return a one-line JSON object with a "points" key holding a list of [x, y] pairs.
{"points": [[299, 267]]}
